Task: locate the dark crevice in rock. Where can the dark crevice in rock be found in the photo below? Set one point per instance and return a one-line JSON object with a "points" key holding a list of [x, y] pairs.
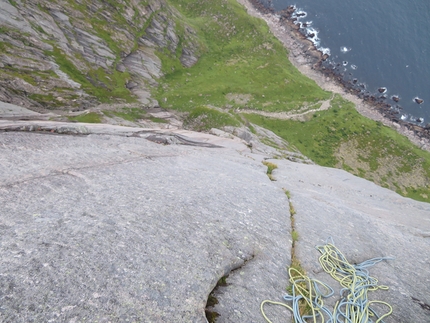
{"points": [[423, 305], [211, 314]]}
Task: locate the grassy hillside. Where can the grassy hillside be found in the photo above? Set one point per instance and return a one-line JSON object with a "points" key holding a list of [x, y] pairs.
{"points": [[243, 64]]}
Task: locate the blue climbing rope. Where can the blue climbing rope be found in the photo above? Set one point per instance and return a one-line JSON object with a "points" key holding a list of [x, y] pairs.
{"points": [[307, 295]]}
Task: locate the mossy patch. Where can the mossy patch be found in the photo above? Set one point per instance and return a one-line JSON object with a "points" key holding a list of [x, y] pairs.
{"points": [[91, 117], [129, 114]]}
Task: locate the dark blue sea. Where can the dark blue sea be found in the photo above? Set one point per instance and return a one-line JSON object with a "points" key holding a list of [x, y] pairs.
{"points": [[380, 43]]}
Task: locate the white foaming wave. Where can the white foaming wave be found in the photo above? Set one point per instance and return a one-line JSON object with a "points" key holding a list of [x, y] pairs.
{"points": [[310, 32], [418, 100], [324, 50], [345, 49], [411, 118], [415, 119], [344, 63], [299, 13], [382, 89], [312, 35]]}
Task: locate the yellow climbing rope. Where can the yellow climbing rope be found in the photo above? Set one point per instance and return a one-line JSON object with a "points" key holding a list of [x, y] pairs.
{"points": [[307, 294]]}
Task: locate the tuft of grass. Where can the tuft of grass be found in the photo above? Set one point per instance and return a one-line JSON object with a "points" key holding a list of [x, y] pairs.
{"points": [[295, 235], [270, 167], [212, 301], [292, 209], [211, 316], [158, 120], [222, 281], [91, 117], [129, 114]]}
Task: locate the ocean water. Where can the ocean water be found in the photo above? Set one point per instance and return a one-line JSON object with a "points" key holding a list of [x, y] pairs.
{"points": [[380, 43]]}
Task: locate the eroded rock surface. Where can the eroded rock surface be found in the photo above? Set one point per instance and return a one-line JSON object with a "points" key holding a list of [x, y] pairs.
{"points": [[68, 54]]}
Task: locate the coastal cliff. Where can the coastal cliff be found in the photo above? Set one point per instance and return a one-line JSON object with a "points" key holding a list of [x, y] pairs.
{"points": [[165, 161]]}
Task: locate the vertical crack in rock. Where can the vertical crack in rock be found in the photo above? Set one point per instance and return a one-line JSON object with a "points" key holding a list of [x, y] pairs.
{"points": [[295, 262]]}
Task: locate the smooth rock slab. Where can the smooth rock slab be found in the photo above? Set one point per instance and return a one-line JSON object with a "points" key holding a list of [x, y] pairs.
{"points": [[109, 229]]}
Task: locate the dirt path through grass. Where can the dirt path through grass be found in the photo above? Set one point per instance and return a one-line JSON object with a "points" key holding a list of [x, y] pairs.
{"points": [[324, 105]]}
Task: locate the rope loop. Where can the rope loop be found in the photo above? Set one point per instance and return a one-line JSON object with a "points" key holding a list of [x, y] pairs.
{"points": [[307, 294]]}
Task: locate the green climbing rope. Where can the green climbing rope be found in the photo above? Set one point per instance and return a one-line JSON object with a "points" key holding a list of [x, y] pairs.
{"points": [[354, 305]]}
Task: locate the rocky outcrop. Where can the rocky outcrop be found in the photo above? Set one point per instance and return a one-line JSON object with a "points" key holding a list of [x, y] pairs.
{"points": [[76, 54]]}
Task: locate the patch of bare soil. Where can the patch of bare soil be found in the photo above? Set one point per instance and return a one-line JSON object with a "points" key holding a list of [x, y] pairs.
{"points": [[238, 98], [301, 114]]}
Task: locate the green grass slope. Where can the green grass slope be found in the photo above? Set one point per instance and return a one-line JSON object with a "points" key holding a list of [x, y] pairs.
{"points": [[243, 64]]}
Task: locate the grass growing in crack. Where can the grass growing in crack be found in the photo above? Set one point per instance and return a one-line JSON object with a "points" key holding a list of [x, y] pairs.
{"points": [[292, 209], [212, 316], [270, 168], [304, 307], [212, 301]]}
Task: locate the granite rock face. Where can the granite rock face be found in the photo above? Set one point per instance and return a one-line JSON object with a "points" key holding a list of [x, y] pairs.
{"points": [[114, 228], [110, 226], [60, 54]]}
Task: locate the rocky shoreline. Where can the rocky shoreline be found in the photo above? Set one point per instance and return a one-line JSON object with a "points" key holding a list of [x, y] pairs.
{"points": [[310, 61]]}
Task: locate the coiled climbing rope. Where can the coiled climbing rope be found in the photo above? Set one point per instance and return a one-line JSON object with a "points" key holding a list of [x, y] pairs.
{"points": [[307, 294]]}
